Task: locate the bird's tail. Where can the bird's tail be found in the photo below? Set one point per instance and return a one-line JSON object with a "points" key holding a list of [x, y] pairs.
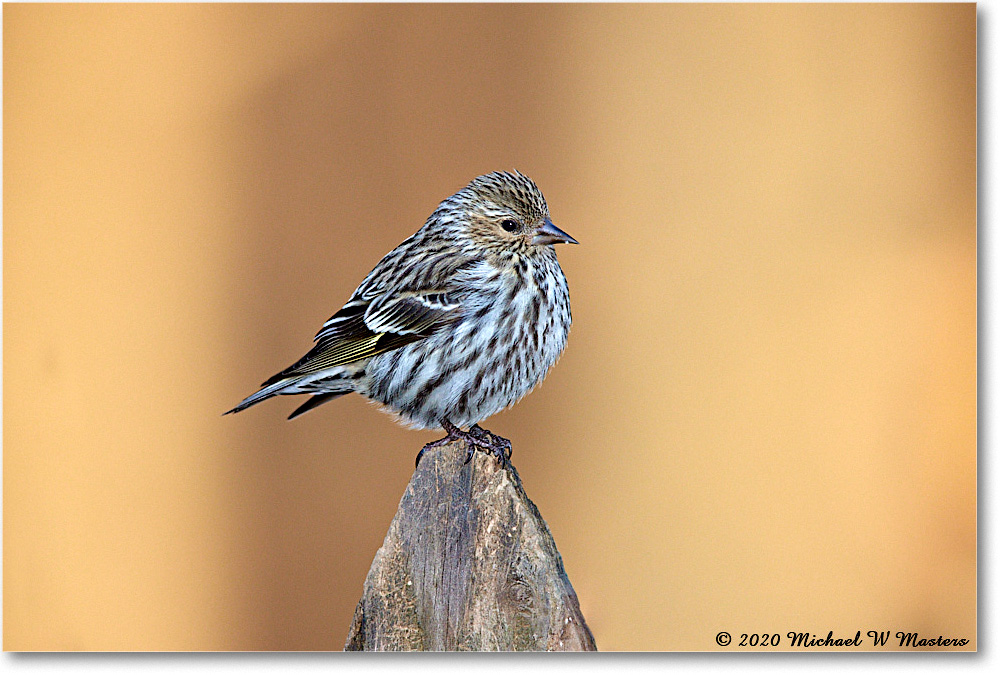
{"points": [[316, 400], [267, 392]]}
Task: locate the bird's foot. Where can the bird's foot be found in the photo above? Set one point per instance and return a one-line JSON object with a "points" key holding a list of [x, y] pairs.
{"points": [[476, 438], [434, 444], [501, 447]]}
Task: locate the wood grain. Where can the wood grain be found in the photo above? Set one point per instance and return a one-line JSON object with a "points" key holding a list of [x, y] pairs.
{"points": [[468, 564]]}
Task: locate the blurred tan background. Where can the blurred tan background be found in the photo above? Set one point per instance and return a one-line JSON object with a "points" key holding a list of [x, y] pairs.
{"points": [[765, 419]]}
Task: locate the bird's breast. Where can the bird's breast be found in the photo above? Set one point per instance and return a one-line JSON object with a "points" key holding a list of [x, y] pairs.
{"points": [[512, 330]]}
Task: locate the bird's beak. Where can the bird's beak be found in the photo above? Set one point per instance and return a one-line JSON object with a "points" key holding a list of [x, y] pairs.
{"points": [[550, 234]]}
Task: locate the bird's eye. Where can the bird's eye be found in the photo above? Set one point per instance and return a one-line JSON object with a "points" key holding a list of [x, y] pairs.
{"points": [[509, 225]]}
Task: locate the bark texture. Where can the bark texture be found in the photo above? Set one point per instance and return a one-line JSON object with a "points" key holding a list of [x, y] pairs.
{"points": [[468, 564]]}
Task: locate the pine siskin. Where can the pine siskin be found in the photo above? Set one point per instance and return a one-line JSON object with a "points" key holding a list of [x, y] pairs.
{"points": [[457, 323]]}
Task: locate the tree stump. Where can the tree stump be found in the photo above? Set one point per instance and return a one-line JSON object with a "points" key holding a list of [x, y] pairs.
{"points": [[468, 564]]}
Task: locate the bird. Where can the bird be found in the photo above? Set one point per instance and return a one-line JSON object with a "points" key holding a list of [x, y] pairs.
{"points": [[457, 323]]}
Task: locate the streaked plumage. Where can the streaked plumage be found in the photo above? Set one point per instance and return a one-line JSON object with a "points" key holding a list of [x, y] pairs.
{"points": [[456, 323]]}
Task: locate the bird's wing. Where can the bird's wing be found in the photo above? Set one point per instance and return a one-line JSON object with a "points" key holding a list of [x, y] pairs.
{"points": [[411, 293], [412, 312], [363, 329]]}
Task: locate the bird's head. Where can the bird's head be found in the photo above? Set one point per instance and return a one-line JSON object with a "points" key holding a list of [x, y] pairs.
{"points": [[504, 212]]}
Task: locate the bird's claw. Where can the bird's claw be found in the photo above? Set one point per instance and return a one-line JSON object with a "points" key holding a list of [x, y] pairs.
{"points": [[433, 444], [497, 446], [475, 438], [500, 446]]}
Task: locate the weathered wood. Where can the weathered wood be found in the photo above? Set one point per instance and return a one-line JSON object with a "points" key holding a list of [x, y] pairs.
{"points": [[467, 564]]}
